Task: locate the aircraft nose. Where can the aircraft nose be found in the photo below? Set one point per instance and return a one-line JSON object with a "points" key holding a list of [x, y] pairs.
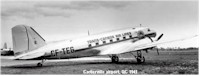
{"points": [[151, 33]]}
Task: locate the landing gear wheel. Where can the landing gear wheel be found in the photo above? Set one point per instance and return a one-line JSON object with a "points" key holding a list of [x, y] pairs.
{"points": [[39, 64], [115, 58], [140, 59]]}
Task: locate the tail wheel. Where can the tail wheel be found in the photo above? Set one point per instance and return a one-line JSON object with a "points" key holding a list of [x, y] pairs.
{"points": [[115, 58], [39, 64]]}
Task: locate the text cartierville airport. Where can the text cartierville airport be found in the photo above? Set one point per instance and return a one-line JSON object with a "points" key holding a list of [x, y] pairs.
{"points": [[117, 44]]}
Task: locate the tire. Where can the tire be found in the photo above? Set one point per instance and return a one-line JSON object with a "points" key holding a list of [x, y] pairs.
{"points": [[115, 58], [143, 59], [140, 60], [39, 64]]}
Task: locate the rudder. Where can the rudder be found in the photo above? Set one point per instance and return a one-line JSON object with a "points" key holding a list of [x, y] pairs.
{"points": [[25, 39]]}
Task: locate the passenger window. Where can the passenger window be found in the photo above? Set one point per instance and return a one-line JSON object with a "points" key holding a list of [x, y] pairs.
{"points": [[130, 36], [97, 43], [89, 45], [117, 39], [111, 40], [124, 37], [104, 42]]}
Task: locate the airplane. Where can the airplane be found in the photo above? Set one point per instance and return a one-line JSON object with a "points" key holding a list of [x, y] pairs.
{"points": [[29, 45], [5, 51]]}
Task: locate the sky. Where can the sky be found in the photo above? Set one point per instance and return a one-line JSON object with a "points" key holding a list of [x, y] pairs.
{"points": [[58, 20]]}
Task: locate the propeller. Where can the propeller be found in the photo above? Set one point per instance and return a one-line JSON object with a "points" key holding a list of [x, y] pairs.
{"points": [[157, 40], [153, 41], [159, 37]]}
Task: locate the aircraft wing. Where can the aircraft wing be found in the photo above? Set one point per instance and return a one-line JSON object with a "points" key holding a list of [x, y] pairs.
{"points": [[123, 47], [134, 46], [153, 44]]}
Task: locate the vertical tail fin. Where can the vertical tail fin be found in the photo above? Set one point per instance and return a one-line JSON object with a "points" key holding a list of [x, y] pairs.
{"points": [[25, 39]]}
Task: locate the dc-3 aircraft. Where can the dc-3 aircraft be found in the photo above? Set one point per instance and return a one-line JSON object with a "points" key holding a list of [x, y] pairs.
{"points": [[29, 45]]}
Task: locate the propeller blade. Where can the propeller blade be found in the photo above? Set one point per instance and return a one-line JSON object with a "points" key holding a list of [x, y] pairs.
{"points": [[150, 38], [159, 37], [157, 51]]}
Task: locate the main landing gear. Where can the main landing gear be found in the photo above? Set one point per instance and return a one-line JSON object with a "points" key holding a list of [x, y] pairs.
{"points": [[139, 57], [114, 58]]}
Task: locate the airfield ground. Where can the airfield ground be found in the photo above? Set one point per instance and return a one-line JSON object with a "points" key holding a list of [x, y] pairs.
{"points": [[168, 62]]}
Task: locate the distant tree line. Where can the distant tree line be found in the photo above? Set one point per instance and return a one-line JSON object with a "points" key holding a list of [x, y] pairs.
{"points": [[177, 48]]}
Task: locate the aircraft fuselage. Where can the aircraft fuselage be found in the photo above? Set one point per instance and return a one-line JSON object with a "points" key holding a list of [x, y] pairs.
{"points": [[94, 44]]}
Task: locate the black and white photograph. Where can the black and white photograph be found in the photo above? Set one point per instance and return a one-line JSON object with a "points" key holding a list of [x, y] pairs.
{"points": [[99, 37]]}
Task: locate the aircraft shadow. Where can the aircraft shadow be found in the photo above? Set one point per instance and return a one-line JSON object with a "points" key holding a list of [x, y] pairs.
{"points": [[47, 65], [69, 64]]}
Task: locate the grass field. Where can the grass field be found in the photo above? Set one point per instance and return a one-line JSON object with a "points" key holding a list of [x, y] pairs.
{"points": [[168, 62]]}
